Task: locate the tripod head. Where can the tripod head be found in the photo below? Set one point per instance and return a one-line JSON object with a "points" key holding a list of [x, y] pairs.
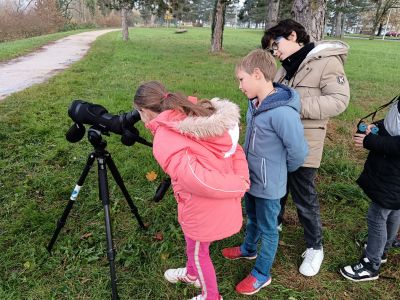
{"points": [[96, 139]]}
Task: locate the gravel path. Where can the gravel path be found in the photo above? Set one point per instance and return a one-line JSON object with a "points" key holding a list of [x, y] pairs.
{"points": [[25, 71]]}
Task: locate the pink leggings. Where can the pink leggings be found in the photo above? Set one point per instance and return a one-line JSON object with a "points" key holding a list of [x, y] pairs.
{"points": [[199, 265]]}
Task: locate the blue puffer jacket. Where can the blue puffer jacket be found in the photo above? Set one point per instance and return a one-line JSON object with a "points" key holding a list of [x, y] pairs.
{"points": [[275, 142]]}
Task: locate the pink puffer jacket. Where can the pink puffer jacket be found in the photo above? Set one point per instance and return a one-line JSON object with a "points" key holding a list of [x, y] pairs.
{"points": [[208, 169]]}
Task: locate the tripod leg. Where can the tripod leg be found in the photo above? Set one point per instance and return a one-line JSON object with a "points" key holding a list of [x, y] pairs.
{"points": [[104, 197], [61, 222], [120, 182]]}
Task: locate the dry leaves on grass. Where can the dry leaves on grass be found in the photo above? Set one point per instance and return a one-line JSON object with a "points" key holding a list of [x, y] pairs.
{"points": [[151, 176]]}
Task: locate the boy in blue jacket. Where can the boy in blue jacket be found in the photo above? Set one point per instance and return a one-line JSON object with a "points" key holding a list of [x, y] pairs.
{"points": [[274, 146]]}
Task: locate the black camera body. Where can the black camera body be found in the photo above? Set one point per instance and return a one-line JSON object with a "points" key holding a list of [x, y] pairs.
{"points": [[82, 112]]}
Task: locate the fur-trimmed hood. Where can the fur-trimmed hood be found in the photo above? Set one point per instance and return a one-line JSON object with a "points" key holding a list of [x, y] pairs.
{"points": [[226, 116], [219, 132]]}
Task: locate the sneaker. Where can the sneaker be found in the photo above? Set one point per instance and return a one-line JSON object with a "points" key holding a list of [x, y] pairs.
{"points": [[384, 255], [200, 297], [362, 271], [250, 285], [279, 227], [180, 274], [235, 253], [312, 261], [384, 258]]}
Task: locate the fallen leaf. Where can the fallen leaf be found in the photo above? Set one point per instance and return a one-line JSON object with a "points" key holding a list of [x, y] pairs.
{"points": [[27, 265], [151, 176], [159, 236], [86, 235]]}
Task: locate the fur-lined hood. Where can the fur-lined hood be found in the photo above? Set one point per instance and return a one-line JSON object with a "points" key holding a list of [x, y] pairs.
{"points": [[225, 118], [219, 133]]}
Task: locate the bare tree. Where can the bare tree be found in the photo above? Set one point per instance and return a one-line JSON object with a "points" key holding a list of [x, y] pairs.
{"points": [[272, 13], [382, 8], [124, 6], [218, 23], [339, 18], [311, 14]]}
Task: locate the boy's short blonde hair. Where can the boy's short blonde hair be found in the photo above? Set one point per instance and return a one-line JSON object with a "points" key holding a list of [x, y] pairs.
{"points": [[260, 59]]}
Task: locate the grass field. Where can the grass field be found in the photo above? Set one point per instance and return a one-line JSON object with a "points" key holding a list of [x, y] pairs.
{"points": [[39, 168], [9, 50]]}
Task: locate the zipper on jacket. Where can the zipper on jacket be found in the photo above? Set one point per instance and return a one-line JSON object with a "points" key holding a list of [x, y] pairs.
{"points": [[254, 137], [251, 131]]}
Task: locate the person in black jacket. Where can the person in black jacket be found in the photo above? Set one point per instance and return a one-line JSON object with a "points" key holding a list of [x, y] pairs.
{"points": [[380, 180]]}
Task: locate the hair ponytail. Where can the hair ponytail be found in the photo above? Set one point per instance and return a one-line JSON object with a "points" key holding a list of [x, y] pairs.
{"points": [[153, 95]]}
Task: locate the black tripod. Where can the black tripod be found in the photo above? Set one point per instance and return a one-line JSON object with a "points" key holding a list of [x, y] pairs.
{"points": [[104, 159]]}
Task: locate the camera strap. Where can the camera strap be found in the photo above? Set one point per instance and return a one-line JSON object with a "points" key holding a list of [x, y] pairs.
{"points": [[373, 114]]}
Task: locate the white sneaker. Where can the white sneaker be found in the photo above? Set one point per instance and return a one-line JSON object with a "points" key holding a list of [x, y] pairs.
{"points": [[312, 261], [200, 297], [180, 274]]}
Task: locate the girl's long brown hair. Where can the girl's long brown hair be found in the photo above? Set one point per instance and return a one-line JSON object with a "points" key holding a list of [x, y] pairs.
{"points": [[154, 96]]}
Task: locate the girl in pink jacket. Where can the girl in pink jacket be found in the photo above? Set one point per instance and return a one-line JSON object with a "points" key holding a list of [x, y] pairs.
{"points": [[196, 144]]}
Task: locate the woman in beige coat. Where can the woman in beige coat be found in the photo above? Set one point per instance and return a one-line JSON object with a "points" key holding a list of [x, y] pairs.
{"points": [[315, 71]]}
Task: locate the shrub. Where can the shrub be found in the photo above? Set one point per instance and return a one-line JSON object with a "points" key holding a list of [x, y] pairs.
{"points": [[43, 18], [111, 20]]}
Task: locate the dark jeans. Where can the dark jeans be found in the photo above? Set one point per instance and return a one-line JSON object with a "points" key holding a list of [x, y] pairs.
{"points": [[301, 186], [383, 225]]}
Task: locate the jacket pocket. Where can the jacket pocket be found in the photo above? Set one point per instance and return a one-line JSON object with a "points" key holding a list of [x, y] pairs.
{"points": [[183, 200], [264, 172], [258, 175]]}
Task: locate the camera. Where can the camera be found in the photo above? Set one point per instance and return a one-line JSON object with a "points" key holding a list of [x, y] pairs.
{"points": [[362, 128], [82, 112]]}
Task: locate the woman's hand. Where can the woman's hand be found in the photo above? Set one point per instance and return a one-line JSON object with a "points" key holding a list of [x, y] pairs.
{"points": [[359, 139], [369, 128]]}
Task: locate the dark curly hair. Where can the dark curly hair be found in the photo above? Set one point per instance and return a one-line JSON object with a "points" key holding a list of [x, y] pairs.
{"points": [[285, 28]]}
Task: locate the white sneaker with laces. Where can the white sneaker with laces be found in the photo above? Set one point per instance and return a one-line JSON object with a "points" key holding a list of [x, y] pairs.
{"points": [[180, 274], [200, 297], [312, 261]]}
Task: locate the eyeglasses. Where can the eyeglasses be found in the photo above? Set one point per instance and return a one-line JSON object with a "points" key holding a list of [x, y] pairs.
{"points": [[274, 46]]}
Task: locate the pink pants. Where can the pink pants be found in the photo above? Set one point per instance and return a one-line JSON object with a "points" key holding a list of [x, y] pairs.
{"points": [[199, 265]]}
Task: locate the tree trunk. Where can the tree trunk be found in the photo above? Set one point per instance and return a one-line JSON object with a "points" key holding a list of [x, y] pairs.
{"points": [[311, 14], [272, 13], [217, 29], [124, 21], [380, 29], [338, 25]]}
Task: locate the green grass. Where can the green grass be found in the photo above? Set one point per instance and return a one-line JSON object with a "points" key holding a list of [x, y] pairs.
{"points": [[39, 168], [13, 49]]}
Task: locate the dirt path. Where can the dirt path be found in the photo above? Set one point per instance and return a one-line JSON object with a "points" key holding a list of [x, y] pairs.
{"points": [[39, 66]]}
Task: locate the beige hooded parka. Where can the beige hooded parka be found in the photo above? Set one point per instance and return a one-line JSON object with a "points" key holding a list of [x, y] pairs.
{"points": [[324, 92]]}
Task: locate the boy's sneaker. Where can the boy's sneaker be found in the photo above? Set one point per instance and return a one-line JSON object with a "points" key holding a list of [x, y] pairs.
{"points": [[235, 253], [384, 257], [200, 297], [396, 242], [250, 285], [180, 274], [362, 271], [312, 261]]}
